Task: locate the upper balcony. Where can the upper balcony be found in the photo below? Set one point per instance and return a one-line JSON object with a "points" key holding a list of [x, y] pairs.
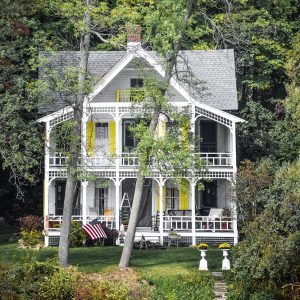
{"points": [[129, 160], [131, 95]]}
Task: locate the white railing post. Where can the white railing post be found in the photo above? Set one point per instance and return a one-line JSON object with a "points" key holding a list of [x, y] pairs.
{"points": [[193, 187], [46, 184], [117, 214], [84, 185], [161, 217]]}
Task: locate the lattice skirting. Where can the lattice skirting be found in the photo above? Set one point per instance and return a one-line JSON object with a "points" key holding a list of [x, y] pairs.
{"points": [[184, 241], [53, 240], [214, 241]]}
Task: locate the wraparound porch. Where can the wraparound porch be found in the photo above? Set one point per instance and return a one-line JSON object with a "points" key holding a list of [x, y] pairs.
{"points": [[207, 229]]}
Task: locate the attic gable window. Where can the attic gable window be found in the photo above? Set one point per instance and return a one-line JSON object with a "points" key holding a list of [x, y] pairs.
{"points": [[136, 82]]}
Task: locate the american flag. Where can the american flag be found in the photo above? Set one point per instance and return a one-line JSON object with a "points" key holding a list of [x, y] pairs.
{"points": [[94, 230]]}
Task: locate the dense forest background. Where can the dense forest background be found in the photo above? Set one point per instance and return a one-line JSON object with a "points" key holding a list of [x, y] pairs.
{"points": [[266, 39]]}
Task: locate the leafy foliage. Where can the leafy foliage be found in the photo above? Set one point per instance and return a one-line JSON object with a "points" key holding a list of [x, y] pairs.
{"points": [[30, 223], [192, 286]]}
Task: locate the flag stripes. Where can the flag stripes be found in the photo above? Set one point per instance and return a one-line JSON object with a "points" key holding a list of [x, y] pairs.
{"points": [[94, 231]]}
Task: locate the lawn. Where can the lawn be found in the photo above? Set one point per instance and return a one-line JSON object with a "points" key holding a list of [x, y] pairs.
{"points": [[105, 259]]}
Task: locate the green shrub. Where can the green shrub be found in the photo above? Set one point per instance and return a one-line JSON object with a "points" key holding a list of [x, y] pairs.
{"points": [[102, 289], [23, 280], [31, 238], [77, 237], [31, 223], [60, 285], [244, 295], [191, 286]]}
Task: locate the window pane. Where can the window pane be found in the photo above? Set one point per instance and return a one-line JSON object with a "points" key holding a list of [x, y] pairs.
{"points": [[136, 82]]}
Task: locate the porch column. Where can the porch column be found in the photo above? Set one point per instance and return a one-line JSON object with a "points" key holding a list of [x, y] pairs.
{"points": [[193, 186], [233, 183], [161, 213], [193, 183], [84, 185], [234, 210], [118, 139], [46, 185], [117, 214], [233, 135]]}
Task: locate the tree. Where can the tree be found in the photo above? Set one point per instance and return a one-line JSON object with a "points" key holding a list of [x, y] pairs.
{"points": [[172, 48], [21, 143], [84, 17]]}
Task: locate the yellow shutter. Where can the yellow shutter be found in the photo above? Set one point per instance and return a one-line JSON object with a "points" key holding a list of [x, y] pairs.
{"points": [[184, 194], [185, 134], [90, 138], [112, 138]]}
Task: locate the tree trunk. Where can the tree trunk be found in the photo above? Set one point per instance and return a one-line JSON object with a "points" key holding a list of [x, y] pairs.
{"points": [[136, 205], [75, 149], [128, 245]]}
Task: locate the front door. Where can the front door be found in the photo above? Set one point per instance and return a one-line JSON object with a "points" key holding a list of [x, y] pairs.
{"points": [[101, 200], [210, 195], [60, 189]]}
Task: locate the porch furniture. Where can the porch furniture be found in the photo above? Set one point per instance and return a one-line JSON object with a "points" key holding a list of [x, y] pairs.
{"points": [[215, 212], [179, 212], [143, 243], [173, 238]]}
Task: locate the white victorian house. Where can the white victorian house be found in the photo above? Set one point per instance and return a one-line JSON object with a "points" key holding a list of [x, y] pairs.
{"points": [[198, 215]]}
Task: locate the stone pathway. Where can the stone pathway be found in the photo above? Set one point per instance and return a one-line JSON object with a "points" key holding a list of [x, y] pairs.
{"points": [[220, 287]]}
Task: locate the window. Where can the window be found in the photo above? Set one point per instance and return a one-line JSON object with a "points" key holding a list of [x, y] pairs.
{"points": [[172, 198], [129, 142], [101, 199], [136, 82], [101, 138]]}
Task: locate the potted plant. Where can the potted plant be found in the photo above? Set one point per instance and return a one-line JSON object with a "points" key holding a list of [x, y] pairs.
{"points": [[224, 246], [202, 247]]}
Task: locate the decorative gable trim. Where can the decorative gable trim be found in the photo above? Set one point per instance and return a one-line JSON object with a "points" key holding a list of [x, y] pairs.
{"points": [[109, 76]]}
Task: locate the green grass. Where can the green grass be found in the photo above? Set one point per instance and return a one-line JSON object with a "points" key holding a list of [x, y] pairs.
{"points": [[171, 273], [105, 259]]}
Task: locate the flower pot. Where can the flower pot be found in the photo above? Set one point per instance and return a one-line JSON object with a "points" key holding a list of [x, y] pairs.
{"points": [[203, 261], [225, 262]]}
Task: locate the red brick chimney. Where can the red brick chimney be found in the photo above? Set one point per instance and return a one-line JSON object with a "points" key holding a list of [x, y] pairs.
{"points": [[133, 37]]}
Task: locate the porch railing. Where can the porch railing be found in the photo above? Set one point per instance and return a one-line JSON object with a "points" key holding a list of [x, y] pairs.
{"points": [[131, 95], [216, 159], [202, 223], [102, 160], [57, 160], [56, 221], [130, 159]]}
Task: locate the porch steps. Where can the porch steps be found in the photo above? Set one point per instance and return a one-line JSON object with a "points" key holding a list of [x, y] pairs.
{"points": [[220, 287]]}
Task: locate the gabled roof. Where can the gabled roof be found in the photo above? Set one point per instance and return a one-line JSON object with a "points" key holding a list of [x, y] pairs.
{"points": [[215, 68]]}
